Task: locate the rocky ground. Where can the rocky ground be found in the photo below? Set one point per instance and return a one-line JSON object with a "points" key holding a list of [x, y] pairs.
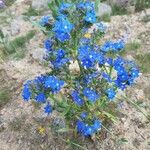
{"points": [[20, 122]]}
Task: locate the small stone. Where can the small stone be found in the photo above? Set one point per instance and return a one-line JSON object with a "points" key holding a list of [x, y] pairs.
{"points": [[139, 94], [74, 67], [120, 3], [40, 4], [15, 28], [104, 9], [38, 54]]}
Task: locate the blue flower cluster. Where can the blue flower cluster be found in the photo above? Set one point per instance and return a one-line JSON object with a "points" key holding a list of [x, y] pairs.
{"points": [[88, 130], [26, 93], [48, 108], [98, 77], [36, 89], [2, 4], [89, 57], [54, 84], [77, 99], [111, 94], [58, 58], [113, 46], [64, 7], [45, 20], [48, 45], [62, 28], [127, 72], [89, 8], [91, 95]]}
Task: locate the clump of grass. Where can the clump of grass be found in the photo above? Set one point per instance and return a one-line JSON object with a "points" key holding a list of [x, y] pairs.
{"points": [[117, 10], [105, 18], [16, 47], [21, 41], [130, 47], [143, 61], [146, 18], [9, 2], [141, 5], [31, 12], [17, 123], [5, 96]]}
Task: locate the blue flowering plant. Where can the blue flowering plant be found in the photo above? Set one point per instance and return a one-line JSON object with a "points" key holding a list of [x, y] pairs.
{"points": [[86, 73]]}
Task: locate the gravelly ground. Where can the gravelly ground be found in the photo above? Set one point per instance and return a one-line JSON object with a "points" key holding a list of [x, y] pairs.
{"points": [[19, 121]]}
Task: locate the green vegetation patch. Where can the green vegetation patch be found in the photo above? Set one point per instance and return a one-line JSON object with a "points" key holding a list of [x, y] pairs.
{"points": [[144, 62], [17, 123], [16, 47], [5, 96], [130, 48], [31, 12], [106, 18], [117, 10]]}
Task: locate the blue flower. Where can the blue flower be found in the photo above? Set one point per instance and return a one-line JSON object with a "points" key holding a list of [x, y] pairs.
{"points": [[97, 125], [110, 93], [26, 93], [64, 7], [91, 95], [86, 63], [88, 6], [120, 69], [123, 77], [60, 59], [101, 26], [41, 98], [113, 46], [60, 53], [45, 20], [84, 115], [101, 59], [61, 36], [48, 108], [59, 63], [40, 79], [118, 45], [88, 78], [86, 129], [54, 84], [120, 85], [109, 61], [90, 17], [77, 99], [48, 44], [63, 25], [107, 46], [83, 51], [134, 73], [84, 41], [92, 55], [106, 77], [2, 4], [62, 28]]}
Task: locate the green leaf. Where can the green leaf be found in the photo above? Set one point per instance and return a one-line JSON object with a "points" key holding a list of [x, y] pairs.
{"points": [[57, 2], [123, 140], [53, 8], [110, 116], [97, 4], [1, 34]]}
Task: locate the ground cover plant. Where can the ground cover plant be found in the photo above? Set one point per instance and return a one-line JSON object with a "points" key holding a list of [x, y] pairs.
{"points": [[86, 74]]}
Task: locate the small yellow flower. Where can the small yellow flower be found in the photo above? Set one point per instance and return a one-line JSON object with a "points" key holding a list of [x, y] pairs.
{"points": [[41, 130], [87, 35]]}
